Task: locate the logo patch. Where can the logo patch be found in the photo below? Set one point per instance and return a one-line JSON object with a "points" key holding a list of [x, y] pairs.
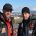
{"points": [[2, 22]]}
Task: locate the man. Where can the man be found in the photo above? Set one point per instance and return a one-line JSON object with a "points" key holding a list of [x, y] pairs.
{"points": [[22, 30], [6, 20]]}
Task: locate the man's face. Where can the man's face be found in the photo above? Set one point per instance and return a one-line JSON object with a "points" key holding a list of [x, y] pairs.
{"points": [[7, 14], [26, 16]]}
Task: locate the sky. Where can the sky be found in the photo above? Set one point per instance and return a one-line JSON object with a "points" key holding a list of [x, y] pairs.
{"points": [[19, 4]]}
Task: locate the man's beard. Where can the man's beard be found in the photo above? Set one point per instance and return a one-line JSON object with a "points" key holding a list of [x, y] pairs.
{"points": [[8, 17], [26, 18]]}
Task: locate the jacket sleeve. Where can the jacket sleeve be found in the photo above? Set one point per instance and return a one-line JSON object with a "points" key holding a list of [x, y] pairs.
{"points": [[34, 27], [0, 27], [19, 30]]}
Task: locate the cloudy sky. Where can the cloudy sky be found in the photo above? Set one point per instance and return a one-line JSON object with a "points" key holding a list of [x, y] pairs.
{"points": [[19, 4]]}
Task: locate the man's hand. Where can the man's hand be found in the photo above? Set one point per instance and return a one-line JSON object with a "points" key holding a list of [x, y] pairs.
{"points": [[3, 30]]}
